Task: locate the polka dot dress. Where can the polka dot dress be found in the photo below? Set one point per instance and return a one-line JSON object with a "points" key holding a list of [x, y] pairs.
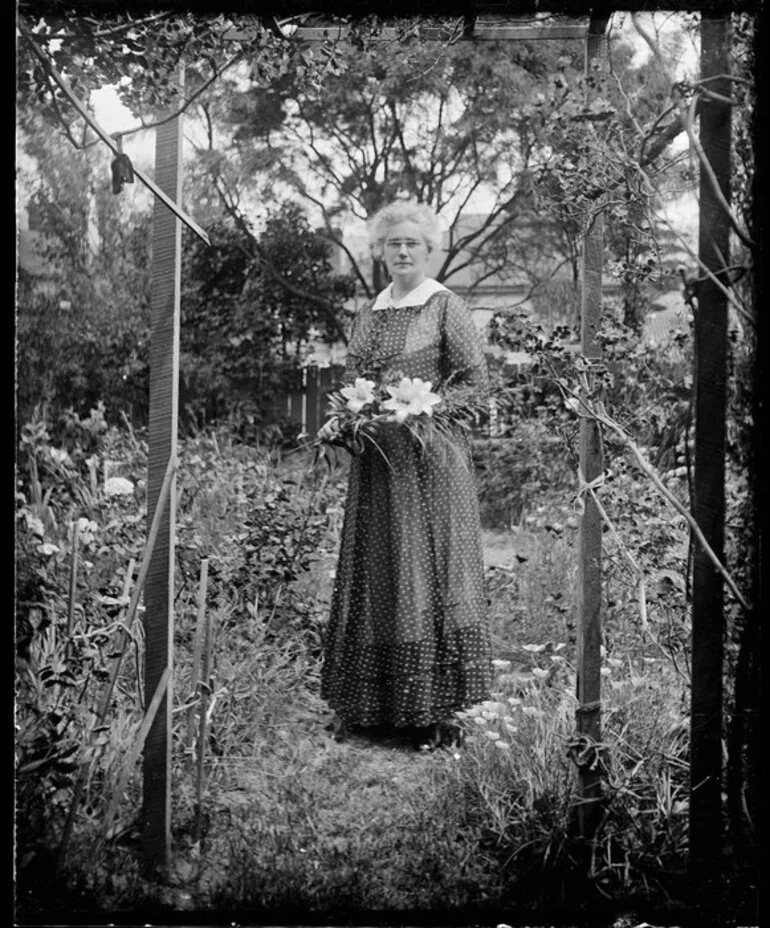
{"points": [[407, 642]]}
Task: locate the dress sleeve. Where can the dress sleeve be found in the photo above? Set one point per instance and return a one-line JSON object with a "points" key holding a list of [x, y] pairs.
{"points": [[464, 362]]}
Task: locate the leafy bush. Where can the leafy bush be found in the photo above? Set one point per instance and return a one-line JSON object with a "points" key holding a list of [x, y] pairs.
{"points": [[515, 471], [250, 307]]}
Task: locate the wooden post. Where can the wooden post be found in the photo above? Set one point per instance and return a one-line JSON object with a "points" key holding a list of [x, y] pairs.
{"points": [[195, 676], [590, 539], [711, 321], [163, 422]]}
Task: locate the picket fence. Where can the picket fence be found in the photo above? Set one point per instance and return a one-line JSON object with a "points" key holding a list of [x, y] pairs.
{"points": [[306, 403]]}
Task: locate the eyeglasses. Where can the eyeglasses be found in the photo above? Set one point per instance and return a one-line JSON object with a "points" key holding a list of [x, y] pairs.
{"points": [[395, 244]]}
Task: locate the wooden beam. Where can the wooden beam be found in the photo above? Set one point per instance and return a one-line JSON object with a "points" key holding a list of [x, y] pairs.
{"points": [[589, 634], [391, 10], [481, 32], [163, 424], [710, 327], [552, 31]]}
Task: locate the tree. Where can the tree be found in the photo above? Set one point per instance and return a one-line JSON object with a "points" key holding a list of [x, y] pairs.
{"points": [[412, 117], [87, 305], [495, 135], [244, 333]]}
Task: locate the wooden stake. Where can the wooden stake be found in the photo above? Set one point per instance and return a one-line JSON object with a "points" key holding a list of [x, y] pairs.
{"points": [[73, 578], [205, 688], [133, 754], [588, 715], [195, 673], [140, 580]]}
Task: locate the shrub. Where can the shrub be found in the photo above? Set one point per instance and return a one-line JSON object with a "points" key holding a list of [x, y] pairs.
{"points": [[516, 471]]}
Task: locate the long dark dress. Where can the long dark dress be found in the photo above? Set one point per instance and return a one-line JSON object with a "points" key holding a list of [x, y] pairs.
{"points": [[407, 642]]}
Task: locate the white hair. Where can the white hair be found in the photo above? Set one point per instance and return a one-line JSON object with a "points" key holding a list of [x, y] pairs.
{"points": [[405, 211]]}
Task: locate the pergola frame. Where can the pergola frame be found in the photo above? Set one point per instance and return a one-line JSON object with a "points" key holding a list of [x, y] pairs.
{"points": [[156, 812]]}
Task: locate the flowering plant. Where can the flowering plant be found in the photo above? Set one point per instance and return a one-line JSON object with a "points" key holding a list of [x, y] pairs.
{"points": [[357, 410]]}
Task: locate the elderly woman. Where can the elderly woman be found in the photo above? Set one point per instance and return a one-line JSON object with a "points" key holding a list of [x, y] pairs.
{"points": [[407, 644]]}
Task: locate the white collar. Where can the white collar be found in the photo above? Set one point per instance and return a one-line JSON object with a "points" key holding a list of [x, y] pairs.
{"points": [[415, 297]]}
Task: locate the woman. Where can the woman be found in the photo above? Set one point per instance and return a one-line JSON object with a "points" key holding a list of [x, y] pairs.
{"points": [[407, 643]]}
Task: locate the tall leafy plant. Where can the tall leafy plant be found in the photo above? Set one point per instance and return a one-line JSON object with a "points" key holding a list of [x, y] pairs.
{"points": [[251, 306]]}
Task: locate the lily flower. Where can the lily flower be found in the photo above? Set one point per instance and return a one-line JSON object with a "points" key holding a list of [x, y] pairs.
{"points": [[361, 393], [411, 398]]}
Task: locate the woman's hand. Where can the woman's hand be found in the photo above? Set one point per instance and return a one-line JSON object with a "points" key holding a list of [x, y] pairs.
{"points": [[330, 431]]}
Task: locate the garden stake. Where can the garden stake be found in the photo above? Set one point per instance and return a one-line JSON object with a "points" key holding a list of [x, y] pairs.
{"points": [[73, 578], [197, 645], [205, 686], [136, 749], [37, 496], [162, 499]]}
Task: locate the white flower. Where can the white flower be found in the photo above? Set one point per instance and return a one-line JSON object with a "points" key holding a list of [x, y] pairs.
{"points": [[539, 673], [492, 735], [572, 404], [361, 393], [503, 745], [118, 486], [87, 530], [501, 664], [47, 549], [411, 398], [491, 705]]}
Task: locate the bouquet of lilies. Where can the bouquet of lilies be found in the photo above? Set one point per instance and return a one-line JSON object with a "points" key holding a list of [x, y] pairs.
{"points": [[357, 410]]}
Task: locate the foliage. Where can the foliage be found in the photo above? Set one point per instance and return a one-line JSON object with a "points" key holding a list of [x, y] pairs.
{"points": [[85, 301], [71, 604], [514, 471], [247, 319], [145, 73], [517, 777], [288, 817]]}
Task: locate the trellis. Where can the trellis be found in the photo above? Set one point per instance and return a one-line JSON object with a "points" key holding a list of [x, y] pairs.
{"points": [[156, 578]]}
